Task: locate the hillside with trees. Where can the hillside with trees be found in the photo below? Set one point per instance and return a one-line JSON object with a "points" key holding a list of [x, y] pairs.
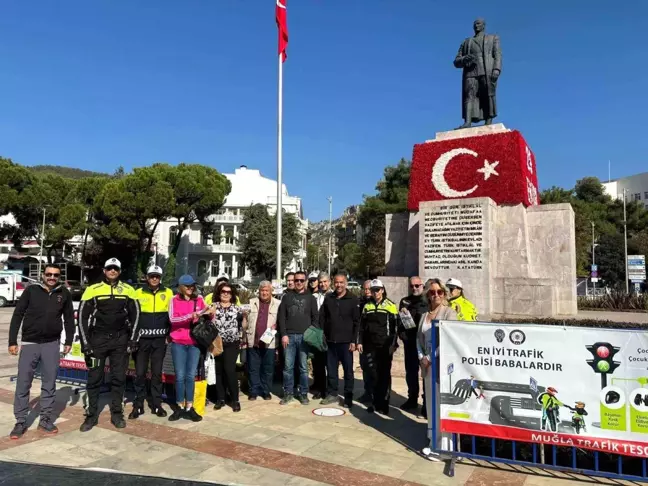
{"points": [[67, 172]]}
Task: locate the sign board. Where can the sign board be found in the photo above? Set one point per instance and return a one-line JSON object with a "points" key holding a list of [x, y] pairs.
{"points": [[637, 268], [594, 268], [603, 368], [450, 368], [533, 384], [595, 279]]}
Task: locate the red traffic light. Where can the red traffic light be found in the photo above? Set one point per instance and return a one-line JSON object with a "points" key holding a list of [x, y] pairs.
{"points": [[603, 352]]}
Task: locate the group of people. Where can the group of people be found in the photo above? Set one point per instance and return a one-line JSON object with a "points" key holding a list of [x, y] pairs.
{"points": [[116, 321]]}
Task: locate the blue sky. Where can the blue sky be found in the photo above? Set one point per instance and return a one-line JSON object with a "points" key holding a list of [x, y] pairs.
{"points": [[102, 83]]}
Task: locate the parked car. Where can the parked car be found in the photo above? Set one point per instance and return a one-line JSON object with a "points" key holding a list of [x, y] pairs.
{"points": [[352, 284]]}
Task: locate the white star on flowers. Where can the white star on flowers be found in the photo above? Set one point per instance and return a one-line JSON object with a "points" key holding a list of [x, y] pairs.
{"points": [[489, 169]]}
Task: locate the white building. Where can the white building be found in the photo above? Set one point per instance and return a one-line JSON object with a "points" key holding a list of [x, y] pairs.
{"points": [[636, 187], [205, 256]]}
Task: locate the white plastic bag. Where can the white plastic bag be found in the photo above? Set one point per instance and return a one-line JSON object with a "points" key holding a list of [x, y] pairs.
{"points": [[210, 370]]}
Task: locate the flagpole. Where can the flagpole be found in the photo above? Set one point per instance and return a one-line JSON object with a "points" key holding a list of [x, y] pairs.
{"points": [[279, 164]]}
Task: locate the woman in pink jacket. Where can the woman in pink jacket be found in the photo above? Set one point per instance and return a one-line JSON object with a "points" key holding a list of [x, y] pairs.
{"points": [[184, 311]]}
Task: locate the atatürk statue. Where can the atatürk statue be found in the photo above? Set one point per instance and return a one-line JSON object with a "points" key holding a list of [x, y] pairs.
{"points": [[480, 57]]}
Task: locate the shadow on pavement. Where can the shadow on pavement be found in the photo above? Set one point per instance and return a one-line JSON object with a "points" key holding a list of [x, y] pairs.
{"points": [[21, 474]]}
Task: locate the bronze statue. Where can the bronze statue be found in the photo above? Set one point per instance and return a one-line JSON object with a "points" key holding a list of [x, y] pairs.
{"points": [[480, 57]]}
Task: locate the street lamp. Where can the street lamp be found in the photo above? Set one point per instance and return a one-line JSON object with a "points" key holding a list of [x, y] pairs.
{"points": [[330, 200], [625, 241]]}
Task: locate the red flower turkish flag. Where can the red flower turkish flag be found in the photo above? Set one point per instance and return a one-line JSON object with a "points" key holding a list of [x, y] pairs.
{"points": [[500, 166], [282, 25]]}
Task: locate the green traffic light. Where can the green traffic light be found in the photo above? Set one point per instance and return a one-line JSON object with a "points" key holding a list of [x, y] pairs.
{"points": [[603, 366]]}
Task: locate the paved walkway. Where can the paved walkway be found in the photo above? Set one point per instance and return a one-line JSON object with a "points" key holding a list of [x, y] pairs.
{"points": [[264, 444]]}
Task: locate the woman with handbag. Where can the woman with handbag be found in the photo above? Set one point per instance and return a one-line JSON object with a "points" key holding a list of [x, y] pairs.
{"points": [[229, 320], [184, 312]]}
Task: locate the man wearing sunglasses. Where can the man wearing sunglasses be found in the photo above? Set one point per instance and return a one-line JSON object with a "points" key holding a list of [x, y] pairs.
{"points": [[108, 328], [415, 306], [39, 310], [154, 300]]}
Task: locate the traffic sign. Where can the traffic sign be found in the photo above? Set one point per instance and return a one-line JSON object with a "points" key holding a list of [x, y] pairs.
{"points": [[595, 280], [594, 268], [533, 384], [450, 368], [594, 274]]}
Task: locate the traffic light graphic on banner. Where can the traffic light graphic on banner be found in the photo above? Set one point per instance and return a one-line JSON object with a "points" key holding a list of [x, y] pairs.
{"points": [[603, 362]]}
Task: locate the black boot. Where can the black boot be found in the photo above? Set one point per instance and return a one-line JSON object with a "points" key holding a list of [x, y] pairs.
{"points": [[117, 419], [89, 422], [348, 400], [136, 412]]}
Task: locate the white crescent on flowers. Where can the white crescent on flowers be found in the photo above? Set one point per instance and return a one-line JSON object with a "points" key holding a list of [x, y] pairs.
{"points": [[280, 5], [438, 172]]}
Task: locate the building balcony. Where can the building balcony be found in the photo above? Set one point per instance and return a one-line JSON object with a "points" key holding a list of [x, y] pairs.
{"points": [[227, 218], [217, 248]]}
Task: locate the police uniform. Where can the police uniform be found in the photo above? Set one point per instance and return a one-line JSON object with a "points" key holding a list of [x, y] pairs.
{"points": [[108, 325], [378, 325], [153, 331]]}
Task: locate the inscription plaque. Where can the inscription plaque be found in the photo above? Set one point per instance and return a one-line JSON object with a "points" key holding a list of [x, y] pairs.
{"points": [[453, 238]]}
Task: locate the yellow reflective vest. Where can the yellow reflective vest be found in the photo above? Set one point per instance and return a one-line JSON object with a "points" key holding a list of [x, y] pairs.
{"points": [[154, 311], [466, 310]]}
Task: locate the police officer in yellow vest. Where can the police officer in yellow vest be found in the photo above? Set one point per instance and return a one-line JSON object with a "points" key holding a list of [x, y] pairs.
{"points": [[154, 301], [466, 310]]}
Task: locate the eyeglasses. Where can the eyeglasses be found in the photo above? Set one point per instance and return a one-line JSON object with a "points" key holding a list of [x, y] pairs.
{"points": [[439, 292], [113, 269], [300, 280], [52, 275], [416, 286]]}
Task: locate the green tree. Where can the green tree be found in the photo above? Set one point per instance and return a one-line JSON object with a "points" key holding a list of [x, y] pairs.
{"points": [[351, 259], [391, 197], [610, 260], [258, 240]]}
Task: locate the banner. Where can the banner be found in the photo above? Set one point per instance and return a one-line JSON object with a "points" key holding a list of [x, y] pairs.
{"points": [[565, 386]]}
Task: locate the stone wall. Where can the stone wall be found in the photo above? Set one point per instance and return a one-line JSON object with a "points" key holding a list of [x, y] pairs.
{"points": [[512, 260]]}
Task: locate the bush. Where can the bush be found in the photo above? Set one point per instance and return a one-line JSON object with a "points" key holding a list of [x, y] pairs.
{"points": [[615, 301]]}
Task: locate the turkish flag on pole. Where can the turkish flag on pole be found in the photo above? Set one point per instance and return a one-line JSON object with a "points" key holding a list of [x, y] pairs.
{"points": [[282, 25]]}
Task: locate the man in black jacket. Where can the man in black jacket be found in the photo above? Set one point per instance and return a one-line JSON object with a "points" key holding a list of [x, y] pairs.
{"points": [[297, 312], [339, 317], [415, 305], [39, 309]]}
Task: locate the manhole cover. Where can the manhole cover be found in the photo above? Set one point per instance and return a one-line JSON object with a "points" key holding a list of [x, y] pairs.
{"points": [[328, 412]]}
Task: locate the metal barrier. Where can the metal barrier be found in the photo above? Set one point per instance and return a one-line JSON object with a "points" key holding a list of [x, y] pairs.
{"points": [[580, 461]]}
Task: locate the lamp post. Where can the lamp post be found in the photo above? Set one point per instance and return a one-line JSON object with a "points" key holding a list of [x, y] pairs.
{"points": [[593, 258], [625, 242], [330, 200]]}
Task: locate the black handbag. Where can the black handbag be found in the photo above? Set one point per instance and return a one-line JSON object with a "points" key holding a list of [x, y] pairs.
{"points": [[203, 332]]}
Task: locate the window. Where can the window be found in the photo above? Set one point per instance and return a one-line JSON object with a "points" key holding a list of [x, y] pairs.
{"points": [[229, 235], [214, 268], [4, 249], [227, 267], [201, 267], [646, 195], [204, 238], [172, 235], [637, 196]]}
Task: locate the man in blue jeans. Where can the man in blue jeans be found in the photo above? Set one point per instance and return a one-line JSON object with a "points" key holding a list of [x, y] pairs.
{"points": [[297, 312]]}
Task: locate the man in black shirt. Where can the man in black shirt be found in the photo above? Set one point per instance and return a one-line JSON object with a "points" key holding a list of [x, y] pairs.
{"points": [[297, 312], [39, 310], [415, 305], [340, 319]]}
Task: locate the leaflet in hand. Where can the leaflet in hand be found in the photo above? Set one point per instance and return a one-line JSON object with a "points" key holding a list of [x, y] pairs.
{"points": [[268, 336], [406, 319]]}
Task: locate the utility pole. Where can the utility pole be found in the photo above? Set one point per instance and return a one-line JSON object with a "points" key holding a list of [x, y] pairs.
{"points": [[593, 258], [40, 254], [330, 200], [625, 242]]}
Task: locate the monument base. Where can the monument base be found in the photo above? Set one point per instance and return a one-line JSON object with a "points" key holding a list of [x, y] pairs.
{"points": [[512, 260]]}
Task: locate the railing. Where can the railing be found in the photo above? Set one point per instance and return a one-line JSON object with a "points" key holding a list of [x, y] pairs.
{"points": [[227, 218], [218, 248], [543, 456]]}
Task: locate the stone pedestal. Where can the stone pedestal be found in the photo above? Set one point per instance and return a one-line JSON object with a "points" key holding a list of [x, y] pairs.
{"points": [[512, 260]]}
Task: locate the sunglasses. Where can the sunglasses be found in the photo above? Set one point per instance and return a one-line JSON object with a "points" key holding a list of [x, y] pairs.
{"points": [[113, 269], [416, 286], [155, 277], [52, 275], [226, 292], [301, 280], [378, 289], [439, 292]]}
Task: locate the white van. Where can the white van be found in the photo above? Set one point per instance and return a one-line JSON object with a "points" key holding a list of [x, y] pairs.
{"points": [[12, 285]]}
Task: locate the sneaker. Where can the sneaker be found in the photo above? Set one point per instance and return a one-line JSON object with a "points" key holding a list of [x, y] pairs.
{"points": [[267, 397], [176, 415], [410, 404], [236, 406], [330, 400], [348, 401], [88, 424], [317, 395], [18, 431], [304, 400], [117, 419], [47, 426], [219, 404], [252, 398], [136, 412], [160, 412], [286, 399], [193, 415]]}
